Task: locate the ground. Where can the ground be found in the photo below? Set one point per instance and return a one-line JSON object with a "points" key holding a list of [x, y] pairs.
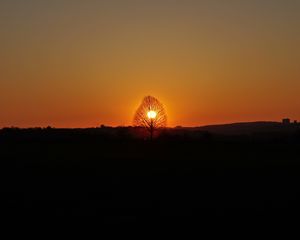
{"points": [[123, 179]]}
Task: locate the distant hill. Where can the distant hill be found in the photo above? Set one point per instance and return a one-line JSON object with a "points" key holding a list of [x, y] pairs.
{"points": [[246, 128], [258, 129]]}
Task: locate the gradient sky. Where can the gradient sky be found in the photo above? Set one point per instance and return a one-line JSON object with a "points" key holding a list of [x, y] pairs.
{"points": [[71, 63]]}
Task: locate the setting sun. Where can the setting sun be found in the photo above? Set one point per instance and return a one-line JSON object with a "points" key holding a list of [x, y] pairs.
{"points": [[151, 114]]}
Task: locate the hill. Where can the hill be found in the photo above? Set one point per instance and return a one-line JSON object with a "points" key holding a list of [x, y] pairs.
{"points": [[185, 173], [249, 128]]}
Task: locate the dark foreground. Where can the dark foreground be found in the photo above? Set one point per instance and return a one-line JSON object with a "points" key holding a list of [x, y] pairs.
{"points": [[51, 173]]}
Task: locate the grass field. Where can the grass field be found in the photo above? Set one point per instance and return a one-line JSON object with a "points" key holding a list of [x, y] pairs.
{"points": [[121, 179]]}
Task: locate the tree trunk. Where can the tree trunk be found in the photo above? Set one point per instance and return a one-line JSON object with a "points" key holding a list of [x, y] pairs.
{"points": [[151, 130]]}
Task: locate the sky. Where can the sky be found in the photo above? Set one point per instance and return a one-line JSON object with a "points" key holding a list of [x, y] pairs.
{"points": [[71, 63]]}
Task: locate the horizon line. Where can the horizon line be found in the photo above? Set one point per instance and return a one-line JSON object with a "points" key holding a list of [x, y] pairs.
{"points": [[128, 126]]}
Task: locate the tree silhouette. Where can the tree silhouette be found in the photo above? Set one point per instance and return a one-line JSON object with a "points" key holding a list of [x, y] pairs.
{"points": [[150, 115]]}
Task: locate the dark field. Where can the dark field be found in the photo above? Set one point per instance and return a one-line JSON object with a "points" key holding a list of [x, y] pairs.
{"points": [[85, 173]]}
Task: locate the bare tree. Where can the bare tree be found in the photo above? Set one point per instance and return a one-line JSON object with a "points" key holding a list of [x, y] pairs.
{"points": [[150, 115]]}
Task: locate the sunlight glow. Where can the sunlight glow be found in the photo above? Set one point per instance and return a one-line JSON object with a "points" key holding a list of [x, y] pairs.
{"points": [[151, 114]]}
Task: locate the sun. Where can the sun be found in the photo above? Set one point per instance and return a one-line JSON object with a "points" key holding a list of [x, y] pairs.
{"points": [[151, 114]]}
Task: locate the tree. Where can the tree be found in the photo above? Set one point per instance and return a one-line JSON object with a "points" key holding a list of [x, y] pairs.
{"points": [[150, 115]]}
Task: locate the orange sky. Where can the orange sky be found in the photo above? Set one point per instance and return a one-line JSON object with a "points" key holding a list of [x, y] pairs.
{"points": [[84, 63]]}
